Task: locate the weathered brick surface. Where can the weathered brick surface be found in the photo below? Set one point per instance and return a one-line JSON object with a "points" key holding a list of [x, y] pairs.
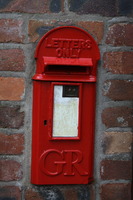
{"points": [[95, 28], [118, 117], [10, 170], [50, 193], [116, 191], [69, 192], [11, 144], [125, 7], [102, 7], [119, 62], [117, 142], [56, 6], [12, 60], [11, 89], [120, 35], [10, 193], [29, 6], [118, 90], [85, 191], [11, 117], [32, 194], [116, 169], [11, 30], [37, 29], [61, 193]]}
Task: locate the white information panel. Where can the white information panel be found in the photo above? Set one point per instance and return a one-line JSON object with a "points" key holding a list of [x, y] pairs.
{"points": [[65, 114]]}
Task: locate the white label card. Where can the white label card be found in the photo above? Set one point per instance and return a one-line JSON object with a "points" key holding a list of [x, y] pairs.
{"points": [[65, 114]]}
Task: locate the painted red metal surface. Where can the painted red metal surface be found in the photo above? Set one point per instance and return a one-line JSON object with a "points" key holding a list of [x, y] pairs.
{"points": [[64, 56]]}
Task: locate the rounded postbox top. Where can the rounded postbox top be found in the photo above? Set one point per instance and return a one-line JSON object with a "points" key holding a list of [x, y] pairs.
{"points": [[66, 46]]}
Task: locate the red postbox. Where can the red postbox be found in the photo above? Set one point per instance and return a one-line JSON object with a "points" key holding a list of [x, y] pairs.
{"points": [[64, 107]]}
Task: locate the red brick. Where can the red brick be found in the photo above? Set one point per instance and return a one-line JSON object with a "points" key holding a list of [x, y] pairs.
{"points": [[118, 117], [10, 170], [116, 191], [11, 144], [120, 35], [119, 62], [10, 193], [116, 169], [11, 30], [32, 194], [29, 6], [92, 192], [69, 192], [86, 192], [93, 27], [118, 90], [37, 29], [11, 89], [11, 117], [117, 142], [80, 192], [12, 60], [102, 7], [56, 6]]}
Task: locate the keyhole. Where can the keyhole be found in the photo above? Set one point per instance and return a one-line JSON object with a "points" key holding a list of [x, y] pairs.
{"points": [[45, 122]]}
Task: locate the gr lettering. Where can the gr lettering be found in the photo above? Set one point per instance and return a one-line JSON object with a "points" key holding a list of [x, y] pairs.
{"points": [[54, 162]]}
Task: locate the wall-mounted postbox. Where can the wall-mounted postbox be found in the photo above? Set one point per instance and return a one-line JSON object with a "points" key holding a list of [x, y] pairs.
{"points": [[64, 107]]}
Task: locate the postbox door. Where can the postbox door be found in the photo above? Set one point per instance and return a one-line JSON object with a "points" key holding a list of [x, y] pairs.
{"points": [[64, 145]]}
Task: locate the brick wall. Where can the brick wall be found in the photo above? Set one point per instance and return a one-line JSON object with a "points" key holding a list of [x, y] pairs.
{"points": [[22, 24]]}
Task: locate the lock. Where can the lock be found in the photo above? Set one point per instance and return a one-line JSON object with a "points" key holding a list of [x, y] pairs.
{"points": [[64, 88], [70, 91]]}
